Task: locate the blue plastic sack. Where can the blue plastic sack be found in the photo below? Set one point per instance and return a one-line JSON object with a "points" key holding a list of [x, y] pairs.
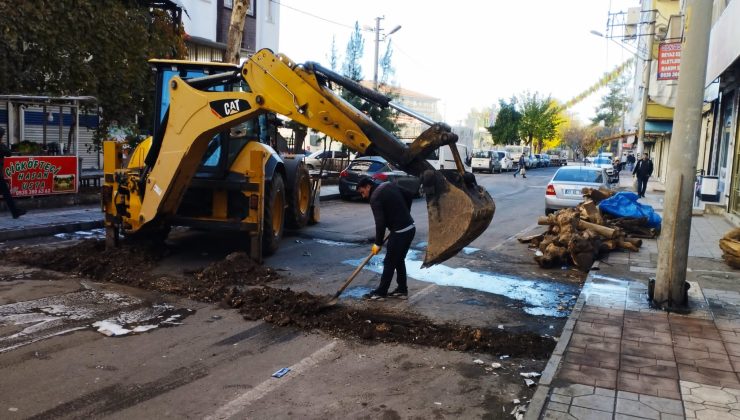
{"points": [[624, 204]]}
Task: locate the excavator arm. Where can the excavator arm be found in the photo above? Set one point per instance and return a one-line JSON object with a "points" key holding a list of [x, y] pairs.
{"points": [[458, 209]]}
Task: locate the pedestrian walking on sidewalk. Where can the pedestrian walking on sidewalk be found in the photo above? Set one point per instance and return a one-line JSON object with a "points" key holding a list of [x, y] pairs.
{"points": [[642, 171], [630, 162], [4, 188], [391, 207], [522, 168]]}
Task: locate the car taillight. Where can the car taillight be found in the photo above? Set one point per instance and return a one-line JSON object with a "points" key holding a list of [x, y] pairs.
{"points": [[343, 174], [550, 190], [380, 176]]}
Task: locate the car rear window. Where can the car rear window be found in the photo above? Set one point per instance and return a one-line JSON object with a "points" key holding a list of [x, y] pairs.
{"points": [[578, 176], [366, 166], [480, 154], [601, 161], [501, 155]]}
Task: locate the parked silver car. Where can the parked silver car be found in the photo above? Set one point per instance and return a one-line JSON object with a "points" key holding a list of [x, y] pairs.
{"points": [[564, 189]]}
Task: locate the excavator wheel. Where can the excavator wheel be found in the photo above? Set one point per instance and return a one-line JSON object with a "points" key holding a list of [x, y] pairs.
{"points": [[274, 219], [299, 200]]}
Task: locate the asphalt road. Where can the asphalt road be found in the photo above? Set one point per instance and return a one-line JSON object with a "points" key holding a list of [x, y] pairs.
{"points": [[193, 360]]}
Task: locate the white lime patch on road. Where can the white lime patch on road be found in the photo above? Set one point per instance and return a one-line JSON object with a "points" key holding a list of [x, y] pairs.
{"points": [[540, 297]]}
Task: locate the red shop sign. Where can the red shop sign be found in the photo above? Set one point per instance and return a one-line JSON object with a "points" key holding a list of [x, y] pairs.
{"points": [[41, 175]]}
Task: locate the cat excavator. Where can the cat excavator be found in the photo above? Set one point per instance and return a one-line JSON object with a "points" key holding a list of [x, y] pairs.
{"points": [[206, 167]]}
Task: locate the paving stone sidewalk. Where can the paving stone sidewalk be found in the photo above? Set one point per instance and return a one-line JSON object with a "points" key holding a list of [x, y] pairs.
{"points": [[618, 358]]}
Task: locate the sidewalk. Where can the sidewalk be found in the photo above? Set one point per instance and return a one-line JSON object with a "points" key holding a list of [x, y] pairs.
{"points": [[76, 218], [617, 358]]}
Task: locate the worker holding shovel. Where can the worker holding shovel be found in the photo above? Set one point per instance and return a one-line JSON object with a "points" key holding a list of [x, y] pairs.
{"points": [[391, 207]]}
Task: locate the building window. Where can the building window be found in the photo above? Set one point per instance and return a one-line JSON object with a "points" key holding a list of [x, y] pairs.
{"points": [[228, 4]]}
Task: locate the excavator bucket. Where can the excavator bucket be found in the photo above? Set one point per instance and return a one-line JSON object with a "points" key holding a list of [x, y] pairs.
{"points": [[459, 211]]}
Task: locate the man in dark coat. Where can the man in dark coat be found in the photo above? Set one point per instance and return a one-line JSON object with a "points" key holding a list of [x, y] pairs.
{"points": [[642, 171], [4, 189], [391, 206]]}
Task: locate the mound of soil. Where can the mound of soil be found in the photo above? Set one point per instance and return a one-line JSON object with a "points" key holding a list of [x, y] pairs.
{"points": [[285, 307], [232, 281]]}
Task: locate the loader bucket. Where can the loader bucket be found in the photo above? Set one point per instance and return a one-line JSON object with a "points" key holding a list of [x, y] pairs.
{"points": [[459, 211]]}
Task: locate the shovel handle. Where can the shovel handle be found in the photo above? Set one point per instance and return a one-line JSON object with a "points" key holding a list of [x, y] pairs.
{"points": [[353, 275]]}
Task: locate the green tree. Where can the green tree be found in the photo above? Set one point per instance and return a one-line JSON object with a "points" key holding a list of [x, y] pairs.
{"points": [[610, 111], [87, 47], [355, 49], [539, 119], [333, 56], [386, 68], [352, 69], [506, 128]]}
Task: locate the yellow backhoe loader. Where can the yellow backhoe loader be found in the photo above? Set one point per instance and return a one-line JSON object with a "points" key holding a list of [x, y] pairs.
{"points": [[206, 165]]}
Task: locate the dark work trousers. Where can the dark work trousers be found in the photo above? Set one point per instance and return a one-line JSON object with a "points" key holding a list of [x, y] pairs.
{"points": [[5, 191], [642, 185], [395, 260]]}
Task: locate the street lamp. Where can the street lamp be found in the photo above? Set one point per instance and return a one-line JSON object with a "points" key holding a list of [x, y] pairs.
{"points": [[377, 30]]}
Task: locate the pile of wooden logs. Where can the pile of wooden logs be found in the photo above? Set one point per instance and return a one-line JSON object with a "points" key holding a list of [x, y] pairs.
{"points": [[580, 235]]}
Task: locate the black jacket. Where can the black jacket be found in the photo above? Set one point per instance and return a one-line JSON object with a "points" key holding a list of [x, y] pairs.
{"points": [[4, 151], [644, 168], [391, 207]]}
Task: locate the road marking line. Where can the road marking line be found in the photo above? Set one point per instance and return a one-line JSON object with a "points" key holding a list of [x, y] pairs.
{"points": [[421, 293], [526, 229], [236, 405]]}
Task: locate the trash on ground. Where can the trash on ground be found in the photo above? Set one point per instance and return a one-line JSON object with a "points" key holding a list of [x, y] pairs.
{"points": [[496, 365], [280, 373], [530, 374], [478, 361], [529, 382]]}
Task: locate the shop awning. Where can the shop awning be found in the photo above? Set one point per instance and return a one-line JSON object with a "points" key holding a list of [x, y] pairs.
{"points": [[659, 126]]}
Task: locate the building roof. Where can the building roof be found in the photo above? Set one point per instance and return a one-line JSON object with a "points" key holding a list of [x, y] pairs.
{"points": [[405, 93]]}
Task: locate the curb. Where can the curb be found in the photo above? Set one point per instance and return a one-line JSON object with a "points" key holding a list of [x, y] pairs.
{"points": [[30, 232], [541, 395]]}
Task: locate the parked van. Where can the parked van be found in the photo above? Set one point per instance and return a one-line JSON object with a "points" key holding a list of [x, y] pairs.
{"points": [[486, 160], [442, 158]]}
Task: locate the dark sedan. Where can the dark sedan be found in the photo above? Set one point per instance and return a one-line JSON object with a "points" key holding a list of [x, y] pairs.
{"points": [[380, 170]]}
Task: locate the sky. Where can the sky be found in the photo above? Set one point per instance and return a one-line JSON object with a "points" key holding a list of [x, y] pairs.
{"points": [[468, 53]]}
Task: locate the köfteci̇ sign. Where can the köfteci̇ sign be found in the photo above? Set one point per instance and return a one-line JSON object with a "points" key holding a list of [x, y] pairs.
{"points": [[41, 175], [669, 60]]}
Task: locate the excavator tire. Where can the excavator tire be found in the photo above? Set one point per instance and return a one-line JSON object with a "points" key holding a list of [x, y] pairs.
{"points": [[299, 200], [274, 219]]}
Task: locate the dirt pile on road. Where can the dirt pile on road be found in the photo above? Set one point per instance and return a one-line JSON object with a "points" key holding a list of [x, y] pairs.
{"points": [[285, 307], [232, 282]]}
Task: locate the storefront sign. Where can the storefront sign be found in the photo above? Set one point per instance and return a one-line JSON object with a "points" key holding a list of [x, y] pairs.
{"points": [[41, 175], [669, 60]]}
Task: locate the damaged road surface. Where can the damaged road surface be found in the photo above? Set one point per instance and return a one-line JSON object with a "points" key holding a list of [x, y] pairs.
{"points": [[90, 345]]}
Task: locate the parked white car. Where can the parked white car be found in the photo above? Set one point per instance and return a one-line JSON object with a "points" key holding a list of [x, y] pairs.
{"points": [[565, 188], [313, 161], [506, 159]]}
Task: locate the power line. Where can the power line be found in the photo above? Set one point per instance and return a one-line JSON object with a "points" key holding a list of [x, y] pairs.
{"points": [[312, 15]]}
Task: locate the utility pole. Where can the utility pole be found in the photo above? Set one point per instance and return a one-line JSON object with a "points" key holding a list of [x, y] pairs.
{"points": [[673, 245], [377, 47], [646, 81]]}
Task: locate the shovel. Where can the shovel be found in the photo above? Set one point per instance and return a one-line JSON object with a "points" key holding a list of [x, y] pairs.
{"points": [[333, 301]]}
